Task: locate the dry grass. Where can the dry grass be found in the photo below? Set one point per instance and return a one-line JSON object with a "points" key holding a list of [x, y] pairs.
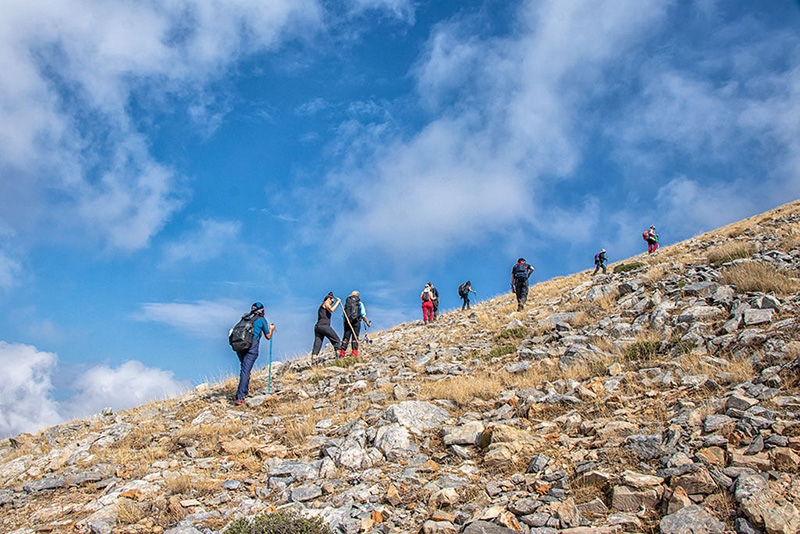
{"points": [[187, 484], [758, 276], [789, 242], [463, 389], [208, 436], [129, 512], [732, 250], [655, 274]]}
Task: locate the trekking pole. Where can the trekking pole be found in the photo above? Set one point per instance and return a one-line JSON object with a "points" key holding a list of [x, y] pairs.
{"points": [[269, 373], [352, 331]]}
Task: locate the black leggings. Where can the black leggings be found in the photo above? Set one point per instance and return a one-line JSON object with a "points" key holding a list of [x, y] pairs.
{"points": [[320, 333], [348, 333]]}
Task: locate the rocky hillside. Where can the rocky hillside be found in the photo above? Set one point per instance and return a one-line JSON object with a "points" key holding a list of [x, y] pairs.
{"points": [[660, 398]]}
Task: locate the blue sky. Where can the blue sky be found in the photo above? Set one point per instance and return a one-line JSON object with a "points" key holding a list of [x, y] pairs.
{"points": [[165, 164]]}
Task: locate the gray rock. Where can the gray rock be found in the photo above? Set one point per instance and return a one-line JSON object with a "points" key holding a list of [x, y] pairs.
{"points": [[466, 434], [627, 499], [743, 526], [538, 463], [713, 423], [700, 289], [438, 527], [306, 493], [417, 416], [183, 529], [485, 527], [691, 520], [296, 470], [754, 316], [47, 483], [646, 447], [701, 313], [394, 441], [519, 367]]}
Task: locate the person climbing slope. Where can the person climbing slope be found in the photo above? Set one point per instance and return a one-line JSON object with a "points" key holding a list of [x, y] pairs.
{"points": [[652, 239], [600, 260], [353, 313], [323, 327], [463, 291], [247, 358], [427, 303], [520, 274]]}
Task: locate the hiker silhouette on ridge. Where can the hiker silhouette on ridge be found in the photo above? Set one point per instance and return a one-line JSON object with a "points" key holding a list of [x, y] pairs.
{"points": [[600, 260], [427, 303], [651, 237], [463, 291], [519, 282]]}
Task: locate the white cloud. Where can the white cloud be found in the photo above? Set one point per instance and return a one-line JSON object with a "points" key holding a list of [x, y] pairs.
{"points": [[202, 318], [510, 117], [10, 271], [208, 242], [689, 207], [27, 403], [70, 149], [401, 9], [127, 386]]}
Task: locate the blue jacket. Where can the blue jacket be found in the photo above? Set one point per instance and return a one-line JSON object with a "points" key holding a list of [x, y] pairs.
{"points": [[260, 326]]}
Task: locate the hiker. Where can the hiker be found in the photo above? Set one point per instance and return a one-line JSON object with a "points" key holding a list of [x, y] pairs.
{"points": [[248, 357], [652, 239], [519, 282], [600, 262], [323, 327], [427, 303], [463, 291], [353, 313], [435, 294]]}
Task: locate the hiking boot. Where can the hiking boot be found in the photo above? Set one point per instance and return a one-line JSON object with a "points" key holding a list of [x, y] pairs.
{"points": [[355, 354], [341, 353], [239, 401]]}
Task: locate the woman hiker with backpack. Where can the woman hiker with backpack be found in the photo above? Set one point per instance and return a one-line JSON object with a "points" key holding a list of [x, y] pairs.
{"points": [[427, 303], [652, 239], [354, 311], [323, 327]]}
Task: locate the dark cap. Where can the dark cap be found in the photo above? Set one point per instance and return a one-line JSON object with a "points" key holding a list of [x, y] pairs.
{"points": [[521, 260], [256, 306]]}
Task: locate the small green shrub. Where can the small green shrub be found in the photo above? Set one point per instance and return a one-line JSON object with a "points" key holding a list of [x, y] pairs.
{"points": [[277, 523], [344, 362], [625, 267], [518, 332], [501, 351], [642, 350]]}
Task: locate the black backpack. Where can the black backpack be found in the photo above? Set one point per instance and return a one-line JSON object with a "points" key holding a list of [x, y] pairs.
{"points": [[462, 290], [352, 309], [241, 336]]}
